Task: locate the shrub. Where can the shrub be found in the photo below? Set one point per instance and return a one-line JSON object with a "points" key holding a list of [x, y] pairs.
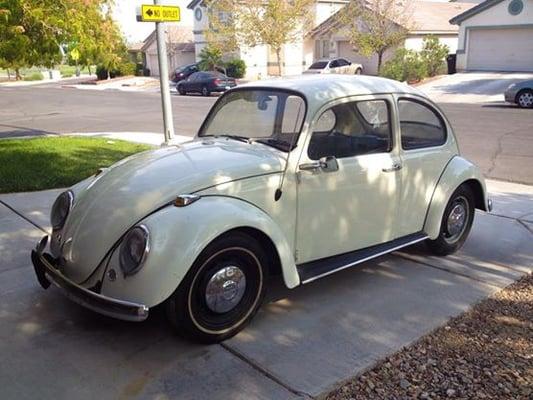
{"points": [[236, 68], [434, 54], [35, 76], [406, 65], [101, 72], [125, 69], [210, 58]]}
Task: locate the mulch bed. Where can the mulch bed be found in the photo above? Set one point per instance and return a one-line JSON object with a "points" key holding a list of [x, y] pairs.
{"points": [[485, 353]]}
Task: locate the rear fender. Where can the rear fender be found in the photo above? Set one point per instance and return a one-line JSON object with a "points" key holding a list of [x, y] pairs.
{"points": [[457, 172]]}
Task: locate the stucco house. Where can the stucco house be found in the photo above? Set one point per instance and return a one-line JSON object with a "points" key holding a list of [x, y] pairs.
{"points": [[326, 39], [180, 48], [427, 18], [496, 35]]}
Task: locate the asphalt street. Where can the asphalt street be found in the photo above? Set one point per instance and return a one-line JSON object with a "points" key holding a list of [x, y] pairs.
{"points": [[496, 136]]}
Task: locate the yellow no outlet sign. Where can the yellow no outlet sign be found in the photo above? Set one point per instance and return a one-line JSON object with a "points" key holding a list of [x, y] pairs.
{"points": [[157, 13]]}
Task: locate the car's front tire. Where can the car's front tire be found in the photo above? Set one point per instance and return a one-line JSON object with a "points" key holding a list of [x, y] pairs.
{"points": [[456, 222], [181, 91], [358, 71], [222, 291], [205, 91], [524, 98]]}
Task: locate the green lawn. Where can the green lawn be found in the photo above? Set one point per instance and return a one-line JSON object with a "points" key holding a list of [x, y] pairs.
{"points": [[54, 162]]}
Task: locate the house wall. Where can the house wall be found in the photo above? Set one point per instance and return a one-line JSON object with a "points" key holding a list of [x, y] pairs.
{"points": [[342, 48], [177, 59], [296, 56], [494, 17]]}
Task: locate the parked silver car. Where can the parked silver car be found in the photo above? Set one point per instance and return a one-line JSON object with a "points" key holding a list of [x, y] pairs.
{"points": [[520, 93], [335, 66]]}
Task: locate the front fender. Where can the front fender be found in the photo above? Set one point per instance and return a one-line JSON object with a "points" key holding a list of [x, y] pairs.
{"points": [[179, 234], [457, 172]]}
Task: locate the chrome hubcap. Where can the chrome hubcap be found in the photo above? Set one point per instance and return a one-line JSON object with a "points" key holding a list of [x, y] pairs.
{"points": [[225, 289], [526, 99], [457, 218]]}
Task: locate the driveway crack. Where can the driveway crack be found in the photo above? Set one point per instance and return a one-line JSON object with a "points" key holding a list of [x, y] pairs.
{"points": [[264, 371]]}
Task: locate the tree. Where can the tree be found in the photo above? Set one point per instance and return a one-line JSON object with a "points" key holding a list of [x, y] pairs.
{"points": [[33, 32], [236, 23], [374, 26], [434, 54]]}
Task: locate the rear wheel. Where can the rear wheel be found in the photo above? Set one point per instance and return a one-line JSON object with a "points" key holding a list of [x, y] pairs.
{"points": [[358, 71], [222, 291], [205, 91], [525, 98], [456, 222]]}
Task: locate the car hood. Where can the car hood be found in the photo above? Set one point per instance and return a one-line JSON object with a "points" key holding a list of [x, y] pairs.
{"points": [[128, 191]]}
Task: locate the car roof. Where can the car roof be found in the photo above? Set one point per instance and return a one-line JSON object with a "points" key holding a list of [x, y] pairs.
{"points": [[320, 89]]}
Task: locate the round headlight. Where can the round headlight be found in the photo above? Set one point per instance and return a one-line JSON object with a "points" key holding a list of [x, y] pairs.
{"points": [[134, 249], [61, 209]]}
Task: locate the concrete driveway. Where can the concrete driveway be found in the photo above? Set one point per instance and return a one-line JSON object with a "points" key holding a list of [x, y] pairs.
{"points": [[301, 344], [472, 87]]}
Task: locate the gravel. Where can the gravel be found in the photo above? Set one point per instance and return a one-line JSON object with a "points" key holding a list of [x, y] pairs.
{"points": [[485, 353]]}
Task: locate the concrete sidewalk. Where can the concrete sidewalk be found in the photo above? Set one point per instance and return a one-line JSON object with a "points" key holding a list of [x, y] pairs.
{"points": [[302, 343]]}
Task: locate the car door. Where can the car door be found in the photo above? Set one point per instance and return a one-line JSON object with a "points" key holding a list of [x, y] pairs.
{"points": [[426, 149], [334, 67], [355, 206]]}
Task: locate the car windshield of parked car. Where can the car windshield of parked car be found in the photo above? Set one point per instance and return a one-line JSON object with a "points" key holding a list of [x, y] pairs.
{"points": [[319, 65], [271, 117]]}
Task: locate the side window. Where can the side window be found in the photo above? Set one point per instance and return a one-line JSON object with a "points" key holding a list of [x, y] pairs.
{"points": [[352, 129], [334, 64], [420, 125], [343, 62]]}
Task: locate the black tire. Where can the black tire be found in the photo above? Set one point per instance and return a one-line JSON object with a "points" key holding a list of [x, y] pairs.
{"points": [[205, 91], [358, 71], [450, 241], [181, 90], [524, 98], [188, 308]]}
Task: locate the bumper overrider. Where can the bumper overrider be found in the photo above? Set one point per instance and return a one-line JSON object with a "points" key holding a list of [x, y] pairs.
{"points": [[47, 273]]}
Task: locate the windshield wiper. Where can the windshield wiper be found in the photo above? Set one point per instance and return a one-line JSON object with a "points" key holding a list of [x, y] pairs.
{"points": [[277, 143], [235, 137]]}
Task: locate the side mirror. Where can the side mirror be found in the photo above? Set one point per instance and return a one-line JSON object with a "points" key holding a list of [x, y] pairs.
{"points": [[329, 164]]}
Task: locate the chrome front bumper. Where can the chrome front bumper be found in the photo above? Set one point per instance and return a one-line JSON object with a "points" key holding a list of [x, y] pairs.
{"points": [[47, 273]]}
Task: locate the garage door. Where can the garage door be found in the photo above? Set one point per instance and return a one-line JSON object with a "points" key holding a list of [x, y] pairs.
{"points": [[509, 49]]}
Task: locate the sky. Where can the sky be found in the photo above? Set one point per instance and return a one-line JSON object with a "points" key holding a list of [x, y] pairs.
{"points": [[124, 12]]}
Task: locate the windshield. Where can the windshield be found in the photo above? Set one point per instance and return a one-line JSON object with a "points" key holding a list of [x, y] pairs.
{"points": [[270, 117], [319, 65]]}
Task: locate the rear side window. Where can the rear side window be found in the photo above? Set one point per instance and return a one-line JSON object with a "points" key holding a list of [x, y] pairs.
{"points": [[420, 125], [352, 129]]}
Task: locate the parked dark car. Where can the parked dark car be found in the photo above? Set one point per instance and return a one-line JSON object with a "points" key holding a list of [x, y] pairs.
{"points": [[205, 83], [184, 72]]}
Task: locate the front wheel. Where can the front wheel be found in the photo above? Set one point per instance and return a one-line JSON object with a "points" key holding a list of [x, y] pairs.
{"points": [[222, 291], [358, 71], [456, 222], [181, 91], [205, 91]]}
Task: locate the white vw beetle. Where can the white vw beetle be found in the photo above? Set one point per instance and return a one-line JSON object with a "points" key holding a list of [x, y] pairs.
{"points": [[300, 177]]}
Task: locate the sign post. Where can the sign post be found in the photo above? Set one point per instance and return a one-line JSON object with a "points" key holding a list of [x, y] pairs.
{"points": [[159, 14]]}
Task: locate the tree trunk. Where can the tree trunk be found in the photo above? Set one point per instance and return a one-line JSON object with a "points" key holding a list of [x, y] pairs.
{"points": [[278, 57], [380, 60], [17, 74], [8, 74]]}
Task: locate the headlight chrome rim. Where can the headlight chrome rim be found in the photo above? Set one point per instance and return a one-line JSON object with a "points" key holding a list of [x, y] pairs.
{"points": [[122, 249], [59, 224]]}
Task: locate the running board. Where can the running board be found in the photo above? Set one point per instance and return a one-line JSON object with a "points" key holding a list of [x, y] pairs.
{"points": [[313, 270]]}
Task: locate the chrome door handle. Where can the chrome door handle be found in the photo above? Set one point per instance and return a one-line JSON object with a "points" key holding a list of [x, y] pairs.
{"points": [[395, 167], [312, 166]]}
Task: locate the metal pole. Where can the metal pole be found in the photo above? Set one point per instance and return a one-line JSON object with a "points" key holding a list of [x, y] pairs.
{"points": [[163, 79]]}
